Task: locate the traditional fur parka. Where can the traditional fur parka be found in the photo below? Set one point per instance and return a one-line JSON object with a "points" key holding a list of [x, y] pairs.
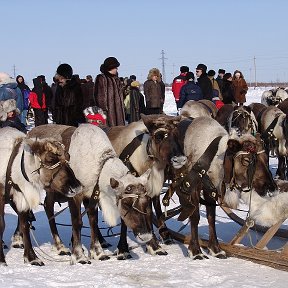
{"points": [[69, 104], [153, 91], [240, 88], [108, 94]]}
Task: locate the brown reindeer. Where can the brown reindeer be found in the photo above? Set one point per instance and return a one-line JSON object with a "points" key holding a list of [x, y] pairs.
{"points": [[28, 166], [215, 156]]}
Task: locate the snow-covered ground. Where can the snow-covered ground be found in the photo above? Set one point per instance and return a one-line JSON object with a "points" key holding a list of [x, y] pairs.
{"points": [[173, 270]]}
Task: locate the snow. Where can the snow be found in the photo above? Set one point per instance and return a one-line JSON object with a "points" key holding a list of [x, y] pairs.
{"points": [[144, 270]]}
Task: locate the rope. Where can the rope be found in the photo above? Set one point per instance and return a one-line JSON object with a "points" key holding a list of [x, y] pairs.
{"points": [[52, 259]]}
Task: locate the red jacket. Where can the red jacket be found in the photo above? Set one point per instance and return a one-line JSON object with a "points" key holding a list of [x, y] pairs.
{"points": [[34, 101], [177, 84]]}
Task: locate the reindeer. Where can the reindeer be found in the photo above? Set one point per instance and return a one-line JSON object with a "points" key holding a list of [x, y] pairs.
{"points": [[28, 166], [106, 180]]}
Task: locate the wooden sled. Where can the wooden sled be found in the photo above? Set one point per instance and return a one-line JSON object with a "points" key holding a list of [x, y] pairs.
{"points": [[257, 253]]}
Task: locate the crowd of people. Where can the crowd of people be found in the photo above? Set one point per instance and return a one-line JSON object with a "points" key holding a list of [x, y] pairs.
{"points": [[110, 100]]}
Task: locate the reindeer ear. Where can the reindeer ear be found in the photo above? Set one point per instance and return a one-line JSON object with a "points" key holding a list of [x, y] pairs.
{"points": [[33, 145], [114, 183], [148, 122], [233, 146]]}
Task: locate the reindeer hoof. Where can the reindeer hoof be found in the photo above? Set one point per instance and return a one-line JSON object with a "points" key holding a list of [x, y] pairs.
{"points": [[161, 252], [104, 257], [84, 262], [220, 255], [199, 256], [105, 245], [64, 253], [3, 264], [124, 256], [36, 262]]}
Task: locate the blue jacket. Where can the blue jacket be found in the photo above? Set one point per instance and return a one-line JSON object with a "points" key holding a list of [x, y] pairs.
{"points": [[190, 91], [11, 91]]}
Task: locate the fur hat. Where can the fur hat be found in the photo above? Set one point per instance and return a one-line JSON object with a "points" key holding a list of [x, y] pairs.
{"points": [[184, 69], [65, 70], [109, 64], [5, 78], [6, 107], [190, 75], [221, 71], [135, 84], [227, 75], [201, 67], [153, 72], [211, 73]]}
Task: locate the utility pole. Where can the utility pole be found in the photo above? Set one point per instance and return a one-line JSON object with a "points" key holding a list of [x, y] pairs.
{"points": [[250, 77], [14, 71], [255, 71], [173, 70], [163, 66]]}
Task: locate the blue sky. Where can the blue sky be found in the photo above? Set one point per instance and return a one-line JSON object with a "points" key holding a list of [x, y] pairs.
{"points": [[37, 35]]}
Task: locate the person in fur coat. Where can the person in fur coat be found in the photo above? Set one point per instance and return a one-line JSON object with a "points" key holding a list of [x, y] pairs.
{"points": [[240, 87], [153, 92], [68, 106], [137, 105], [108, 92]]}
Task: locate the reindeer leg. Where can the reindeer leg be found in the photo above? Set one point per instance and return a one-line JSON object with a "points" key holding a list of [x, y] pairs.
{"points": [[2, 227], [153, 246], [163, 231], [17, 238], [213, 244], [49, 210], [103, 242], [194, 250], [96, 251], [29, 254], [281, 167], [123, 249], [76, 219]]}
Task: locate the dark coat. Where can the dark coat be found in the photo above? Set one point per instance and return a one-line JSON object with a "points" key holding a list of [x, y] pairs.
{"points": [[88, 94], [108, 94], [206, 86], [227, 92], [14, 122], [137, 105], [190, 91], [153, 94], [69, 104]]}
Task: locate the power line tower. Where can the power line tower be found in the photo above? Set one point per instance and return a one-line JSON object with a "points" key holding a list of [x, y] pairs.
{"points": [[163, 66], [255, 71]]}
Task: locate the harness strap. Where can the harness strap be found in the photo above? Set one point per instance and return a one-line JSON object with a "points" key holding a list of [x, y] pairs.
{"points": [[198, 173], [182, 128], [66, 137], [268, 133], [9, 182], [208, 108], [129, 150]]}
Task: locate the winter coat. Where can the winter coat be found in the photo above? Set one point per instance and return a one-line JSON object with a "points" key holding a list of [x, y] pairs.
{"points": [[220, 83], [14, 122], [108, 94], [153, 94], [69, 104], [215, 86], [33, 98], [88, 94], [190, 91], [206, 86], [240, 89], [11, 91], [177, 84], [227, 92], [25, 92], [137, 105]]}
